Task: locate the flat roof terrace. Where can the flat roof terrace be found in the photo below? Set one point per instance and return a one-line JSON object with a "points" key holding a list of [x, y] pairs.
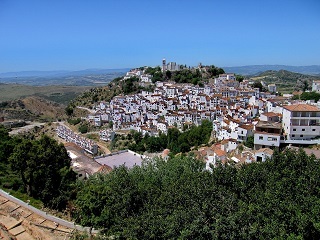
{"points": [[126, 157], [265, 124]]}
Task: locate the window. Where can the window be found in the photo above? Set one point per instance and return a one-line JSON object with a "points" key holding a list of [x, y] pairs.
{"points": [[301, 135], [260, 137], [293, 135], [294, 129], [303, 129], [313, 130], [272, 139]]}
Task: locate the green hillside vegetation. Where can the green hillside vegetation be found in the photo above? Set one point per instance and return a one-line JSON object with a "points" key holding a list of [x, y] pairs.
{"points": [[308, 96], [175, 140], [286, 81], [39, 168], [106, 93], [172, 199], [178, 199], [185, 75]]}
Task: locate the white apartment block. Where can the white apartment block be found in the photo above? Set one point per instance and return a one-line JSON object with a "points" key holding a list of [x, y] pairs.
{"points": [[316, 86], [301, 122], [227, 76], [244, 131], [272, 88], [267, 134]]}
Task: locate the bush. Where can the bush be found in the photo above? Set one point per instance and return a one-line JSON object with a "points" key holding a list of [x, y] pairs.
{"points": [[74, 121], [83, 129]]}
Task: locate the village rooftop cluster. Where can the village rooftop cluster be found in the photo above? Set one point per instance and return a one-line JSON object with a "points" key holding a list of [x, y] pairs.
{"points": [[236, 110]]}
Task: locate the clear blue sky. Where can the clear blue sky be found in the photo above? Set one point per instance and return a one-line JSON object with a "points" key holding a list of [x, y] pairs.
{"points": [[74, 35]]}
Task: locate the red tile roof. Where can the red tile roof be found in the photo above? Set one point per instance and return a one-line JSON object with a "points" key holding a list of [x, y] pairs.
{"points": [[302, 108], [270, 114], [220, 152]]}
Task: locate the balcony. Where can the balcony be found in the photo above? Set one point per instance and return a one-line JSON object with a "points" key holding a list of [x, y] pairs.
{"points": [[305, 115], [305, 123]]}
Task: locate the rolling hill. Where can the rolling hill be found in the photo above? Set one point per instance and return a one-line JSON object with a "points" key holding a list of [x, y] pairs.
{"points": [[59, 94], [285, 80], [32, 108], [257, 69]]}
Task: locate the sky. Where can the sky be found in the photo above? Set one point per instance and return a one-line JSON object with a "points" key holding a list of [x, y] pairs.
{"points": [[80, 34]]}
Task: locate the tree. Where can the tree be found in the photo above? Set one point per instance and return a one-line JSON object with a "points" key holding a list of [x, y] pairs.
{"points": [[308, 96], [69, 111], [130, 85], [5, 144], [305, 85], [83, 129], [178, 199], [239, 78], [157, 77], [258, 84], [250, 142], [110, 124], [44, 167], [168, 74], [214, 71]]}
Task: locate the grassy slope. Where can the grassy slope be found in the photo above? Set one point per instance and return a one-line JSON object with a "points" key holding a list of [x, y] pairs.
{"points": [[286, 81], [96, 94], [60, 94], [33, 108]]}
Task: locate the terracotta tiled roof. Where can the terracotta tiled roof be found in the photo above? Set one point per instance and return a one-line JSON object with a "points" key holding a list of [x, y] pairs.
{"points": [[225, 141], [270, 114], [302, 108], [246, 126], [220, 152]]}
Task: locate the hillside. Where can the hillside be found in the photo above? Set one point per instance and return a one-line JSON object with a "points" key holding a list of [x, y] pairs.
{"points": [[59, 94], [93, 95], [119, 86], [31, 109], [256, 69], [286, 80]]}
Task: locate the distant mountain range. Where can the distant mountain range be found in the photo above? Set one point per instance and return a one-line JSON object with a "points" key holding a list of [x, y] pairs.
{"points": [[61, 73], [257, 69], [98, 77], [88, 77]]}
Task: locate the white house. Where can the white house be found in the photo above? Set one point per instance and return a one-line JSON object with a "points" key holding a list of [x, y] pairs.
{"points": [[301, 122], [162, 127], [262, 154], [146, 78], [316, 86], [272, 88], [269, 117], [244, 131], [267, 134]]}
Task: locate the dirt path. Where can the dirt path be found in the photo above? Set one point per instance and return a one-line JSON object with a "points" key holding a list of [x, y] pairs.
{"points": [[26, 128], [103, 148]]}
